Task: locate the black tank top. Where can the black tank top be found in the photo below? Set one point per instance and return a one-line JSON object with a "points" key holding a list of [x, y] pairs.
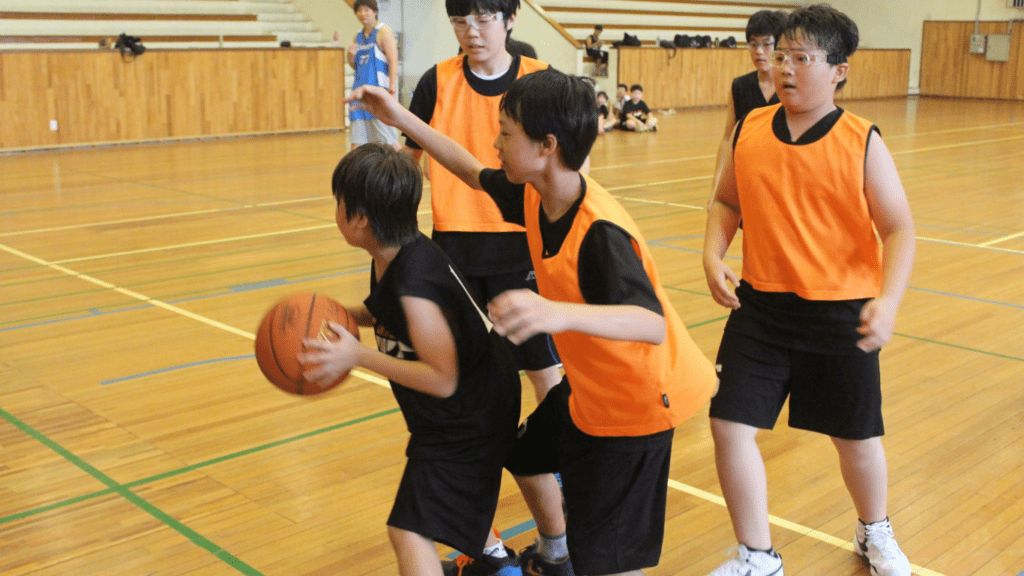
{"points": [[747, 95]]}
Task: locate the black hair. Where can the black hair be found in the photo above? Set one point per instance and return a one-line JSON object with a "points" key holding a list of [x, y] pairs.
{"points": [[520, 48], [622, 86], [827, 28], [765, 23], [371, 4], [636, 87], [507, 8], [384, 185], [551, 102], [598, 27], [603, 93]]}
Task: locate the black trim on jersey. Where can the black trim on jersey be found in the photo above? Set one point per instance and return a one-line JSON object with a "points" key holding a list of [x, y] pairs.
{"points": [[425, 96], [609, 269], [780, 128]]}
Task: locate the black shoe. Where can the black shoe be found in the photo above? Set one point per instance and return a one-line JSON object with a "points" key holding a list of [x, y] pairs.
{"points": [[533, 564], [484, 566]]}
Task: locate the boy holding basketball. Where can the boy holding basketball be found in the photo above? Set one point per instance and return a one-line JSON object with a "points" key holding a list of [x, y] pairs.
{"points": [[818, 299], [634, 372], [450, 372]]}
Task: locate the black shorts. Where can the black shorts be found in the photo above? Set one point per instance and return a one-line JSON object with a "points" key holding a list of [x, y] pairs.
{"points": [[837, 395], [538, 352], [615, 488], [448, 502]]}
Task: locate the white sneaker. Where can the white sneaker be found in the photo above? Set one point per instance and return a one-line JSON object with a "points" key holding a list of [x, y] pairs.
{"points": [[750, 563], [876, 544]]}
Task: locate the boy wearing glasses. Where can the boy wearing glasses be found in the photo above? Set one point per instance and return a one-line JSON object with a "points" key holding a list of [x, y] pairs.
{"points": [[459, 97], [756, 89], [819, 295]]}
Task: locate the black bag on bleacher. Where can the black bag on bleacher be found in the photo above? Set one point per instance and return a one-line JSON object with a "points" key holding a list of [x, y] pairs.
{"points": [[682, 41], [627, 40], [129, 45]]}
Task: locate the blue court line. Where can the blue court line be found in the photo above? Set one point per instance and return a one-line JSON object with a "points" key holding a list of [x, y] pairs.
{"points": [[178, 367], [510, 533], [965, 297]]}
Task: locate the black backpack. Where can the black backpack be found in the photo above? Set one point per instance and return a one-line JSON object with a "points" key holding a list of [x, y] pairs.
{"points": [[627, 40], [682, 41], [668, 46]]}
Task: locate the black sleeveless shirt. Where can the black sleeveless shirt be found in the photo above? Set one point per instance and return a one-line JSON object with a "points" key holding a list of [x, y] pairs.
{"points": [[747, 95]]}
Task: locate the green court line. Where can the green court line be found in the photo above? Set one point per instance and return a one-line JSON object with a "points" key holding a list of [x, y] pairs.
{"points": [[959, 347], [125, 492]]}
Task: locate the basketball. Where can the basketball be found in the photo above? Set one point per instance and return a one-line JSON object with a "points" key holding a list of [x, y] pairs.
{"points": [[280, 335]]}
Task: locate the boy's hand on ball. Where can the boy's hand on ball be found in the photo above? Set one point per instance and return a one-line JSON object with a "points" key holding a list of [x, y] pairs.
{"points": [[325, 361]]}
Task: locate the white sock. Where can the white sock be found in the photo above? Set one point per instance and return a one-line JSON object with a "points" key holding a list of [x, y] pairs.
{"points": [[553, 547], [496, 551]]}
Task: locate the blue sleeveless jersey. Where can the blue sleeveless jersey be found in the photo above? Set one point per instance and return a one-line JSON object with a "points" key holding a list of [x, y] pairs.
{"points": [[371, 68]]}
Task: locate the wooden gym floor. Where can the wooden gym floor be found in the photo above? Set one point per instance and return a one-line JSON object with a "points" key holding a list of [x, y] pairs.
{"points": [[138, 437]]}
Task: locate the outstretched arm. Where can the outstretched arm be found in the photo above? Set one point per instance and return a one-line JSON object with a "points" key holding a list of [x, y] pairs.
{"points": [[890, 212], [521, 314], [449, 153]]}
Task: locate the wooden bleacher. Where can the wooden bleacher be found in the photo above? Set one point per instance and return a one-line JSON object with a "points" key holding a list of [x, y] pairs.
{"points": [[176, 24], [652, 20]]}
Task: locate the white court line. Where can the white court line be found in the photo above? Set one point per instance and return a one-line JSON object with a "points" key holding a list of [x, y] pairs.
{"points": [[1003, 239], [160, 304], [966, 245], [191, 244], [157, 217], [783, 523], [957, 145], [686, 159]]}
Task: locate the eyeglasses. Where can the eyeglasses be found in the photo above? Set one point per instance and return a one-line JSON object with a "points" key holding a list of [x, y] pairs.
{"points": [[799, 59], [478, 21], [755, 46]]}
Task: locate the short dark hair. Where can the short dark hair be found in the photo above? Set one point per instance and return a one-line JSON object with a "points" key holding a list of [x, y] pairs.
{"points": [[598, 27], [765, 23], [507, 8], [520, 48], [828, 28], [636, 87], [551, 102], [371, 4], [622, 86], [384, 185], [603, 93]]}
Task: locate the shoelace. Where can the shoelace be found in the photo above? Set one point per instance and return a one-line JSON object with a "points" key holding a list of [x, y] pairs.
{"points": [[461, 562]]}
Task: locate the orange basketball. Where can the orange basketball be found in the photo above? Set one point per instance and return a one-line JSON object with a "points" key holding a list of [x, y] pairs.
{"points": [[279, 338]]}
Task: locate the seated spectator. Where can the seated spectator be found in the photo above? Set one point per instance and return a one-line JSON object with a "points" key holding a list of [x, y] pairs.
{"points": [[605, 121], [636, 116], [593, 45]]}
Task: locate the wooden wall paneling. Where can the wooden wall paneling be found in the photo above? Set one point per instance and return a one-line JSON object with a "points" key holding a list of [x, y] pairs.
{"points": [[877, 74], [98, 97], [26, 101], [949, 69], [696, 77]]}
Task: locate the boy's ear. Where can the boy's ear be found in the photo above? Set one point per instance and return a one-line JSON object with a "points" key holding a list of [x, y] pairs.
{"points": [[509, 22], [840, 71], [549, 145]]}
